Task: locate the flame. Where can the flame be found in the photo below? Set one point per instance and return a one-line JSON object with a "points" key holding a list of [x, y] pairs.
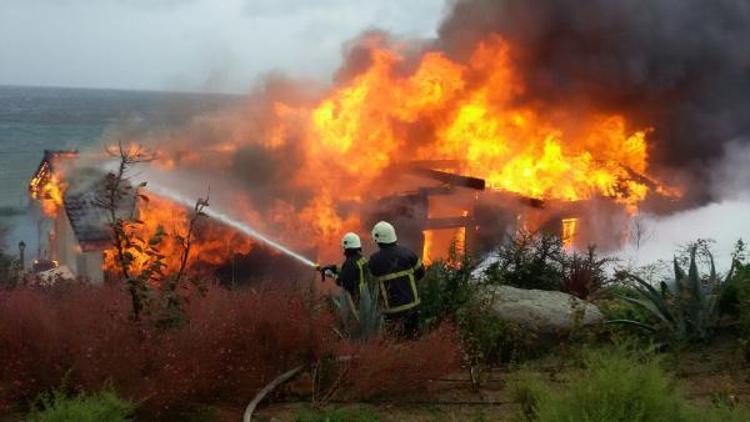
{"points": [[569, 232], [535, 152], [212, 243], [48, 188], [427, 247], [400, 109]]}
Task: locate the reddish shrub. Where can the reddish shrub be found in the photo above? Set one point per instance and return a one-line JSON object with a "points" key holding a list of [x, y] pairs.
{"points": [[383, 368], [235, 343], [232, 344]]}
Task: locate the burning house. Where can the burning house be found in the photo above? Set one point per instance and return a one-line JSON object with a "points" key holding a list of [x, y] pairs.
{"points": [[77, 225], [79, 232], [518, 115], [452, 149]]}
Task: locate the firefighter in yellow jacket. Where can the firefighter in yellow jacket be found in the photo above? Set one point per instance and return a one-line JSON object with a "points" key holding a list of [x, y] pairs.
{"points": [[351, 275], [396, 269]]}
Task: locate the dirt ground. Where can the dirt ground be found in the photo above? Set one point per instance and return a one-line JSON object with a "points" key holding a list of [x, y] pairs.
{"points": [[706, 374]]}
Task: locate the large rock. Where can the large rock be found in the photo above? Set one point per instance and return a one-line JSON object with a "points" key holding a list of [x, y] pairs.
{"points": [[544, 311]]}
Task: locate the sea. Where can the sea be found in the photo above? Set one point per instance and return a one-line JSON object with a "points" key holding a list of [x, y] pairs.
{"points": [[33, 119]]}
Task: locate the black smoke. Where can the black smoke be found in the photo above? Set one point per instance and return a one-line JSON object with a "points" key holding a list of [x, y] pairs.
{"points": [[680, 66]]}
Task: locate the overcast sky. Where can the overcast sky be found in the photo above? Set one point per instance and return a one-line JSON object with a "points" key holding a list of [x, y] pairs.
{"points": [[196, 45]]}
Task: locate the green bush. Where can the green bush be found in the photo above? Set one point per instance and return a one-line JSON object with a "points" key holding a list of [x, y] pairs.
{"points": [[528, 261], [736, 303], [615, 385], [613, 307], [489, 339], [338, 415], [450, 292], [737, 285], [689, 309], [446, 287], [100, 407]]}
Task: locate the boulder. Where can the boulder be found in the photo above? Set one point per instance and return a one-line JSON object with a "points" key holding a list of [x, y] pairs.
{"points": [[544, 311]]}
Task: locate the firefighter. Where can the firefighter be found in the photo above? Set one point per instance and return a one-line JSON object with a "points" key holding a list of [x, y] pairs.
{"points": [[396, 270], [351, 275]]}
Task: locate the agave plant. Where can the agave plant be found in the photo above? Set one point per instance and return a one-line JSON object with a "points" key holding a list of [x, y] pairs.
{"points": [[689, 309], [360, 321]]}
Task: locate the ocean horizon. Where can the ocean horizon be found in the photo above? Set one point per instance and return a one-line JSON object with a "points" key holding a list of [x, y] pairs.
{"points": [[35, 118]]}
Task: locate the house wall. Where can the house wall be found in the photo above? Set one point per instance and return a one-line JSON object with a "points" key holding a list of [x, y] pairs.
{"points": [[89, 265], [64, 243], [68, 252]]}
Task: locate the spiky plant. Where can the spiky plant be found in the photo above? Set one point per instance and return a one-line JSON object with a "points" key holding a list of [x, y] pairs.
{"points": [[363, 320], [687, 312]]}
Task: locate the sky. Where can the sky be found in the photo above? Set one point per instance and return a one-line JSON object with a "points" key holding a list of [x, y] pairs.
{"points": [[190, 45]]}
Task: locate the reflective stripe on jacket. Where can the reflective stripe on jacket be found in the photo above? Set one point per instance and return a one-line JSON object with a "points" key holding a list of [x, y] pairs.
{"points": [[397, 269], [352, 274]]}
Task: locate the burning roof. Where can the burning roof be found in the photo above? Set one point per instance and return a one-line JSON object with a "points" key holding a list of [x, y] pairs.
{"points": [[89, 220], [58, 185], [47, 185]]}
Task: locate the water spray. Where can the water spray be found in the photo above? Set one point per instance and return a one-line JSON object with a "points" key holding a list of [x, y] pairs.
{"points": [[231, 222]]}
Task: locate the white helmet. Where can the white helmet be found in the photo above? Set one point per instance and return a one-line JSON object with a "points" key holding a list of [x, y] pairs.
{"points": [[383, 232], [351, 241]]}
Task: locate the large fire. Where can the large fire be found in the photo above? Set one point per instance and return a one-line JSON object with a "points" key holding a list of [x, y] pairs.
{"points": [[212, 243], [537, 152], [465, 112], [394, 111]]}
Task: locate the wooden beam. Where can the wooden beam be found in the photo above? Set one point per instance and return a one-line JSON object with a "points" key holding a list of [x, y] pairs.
{"points": [[448, 223], [449, 178]]}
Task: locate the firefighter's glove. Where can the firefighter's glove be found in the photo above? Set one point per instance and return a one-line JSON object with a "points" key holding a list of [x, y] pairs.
{"points": [[330, 271]]}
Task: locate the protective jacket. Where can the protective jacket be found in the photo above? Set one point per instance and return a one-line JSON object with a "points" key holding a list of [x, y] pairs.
{"points": [[396, 270], [352, 273]]}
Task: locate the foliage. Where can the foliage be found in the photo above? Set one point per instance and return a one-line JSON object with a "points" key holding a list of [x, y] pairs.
{"points": [[729, 304], [583, 275], [119, 199], [103, 406], [528, 261], [615, 385], [231, 345], [9, 270], [690, 311], [338, 415], [539, 261], [361, 321], [9, 266], [489, 339], [737, 304], [446, 288], [450, 291], [383, 368], [172, 300], [613, 307]]}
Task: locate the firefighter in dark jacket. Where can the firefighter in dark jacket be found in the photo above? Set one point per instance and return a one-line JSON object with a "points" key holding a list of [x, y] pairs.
{"points": [[351, 275], [396, 269]]}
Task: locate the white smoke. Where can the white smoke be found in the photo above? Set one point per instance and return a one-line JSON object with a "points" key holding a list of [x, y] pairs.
{"points": [[725, 220]]}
